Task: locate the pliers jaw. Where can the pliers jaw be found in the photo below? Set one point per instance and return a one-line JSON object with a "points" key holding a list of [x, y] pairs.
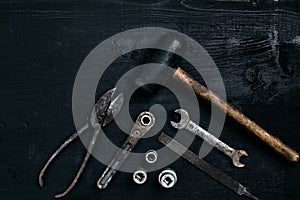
{"points": [[113, 109], [105, 109]]}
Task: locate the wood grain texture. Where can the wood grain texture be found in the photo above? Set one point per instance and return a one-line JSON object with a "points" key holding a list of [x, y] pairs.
{"points": [[256, 47]]}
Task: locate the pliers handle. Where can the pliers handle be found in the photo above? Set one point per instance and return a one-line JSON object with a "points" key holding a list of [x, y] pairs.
{"points": [[103, 112]]}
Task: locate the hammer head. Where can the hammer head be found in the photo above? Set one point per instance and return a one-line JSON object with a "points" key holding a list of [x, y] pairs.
{"points": [[168, 45]]}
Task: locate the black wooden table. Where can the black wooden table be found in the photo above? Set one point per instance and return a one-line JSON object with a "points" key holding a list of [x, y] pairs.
{"points": [[254, 43]]}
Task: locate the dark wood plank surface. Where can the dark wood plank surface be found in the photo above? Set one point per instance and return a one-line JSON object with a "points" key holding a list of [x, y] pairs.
{"points": [[255, 44]]}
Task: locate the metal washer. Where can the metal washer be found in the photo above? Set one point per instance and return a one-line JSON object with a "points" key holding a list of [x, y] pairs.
{"points": [[151, 156]]}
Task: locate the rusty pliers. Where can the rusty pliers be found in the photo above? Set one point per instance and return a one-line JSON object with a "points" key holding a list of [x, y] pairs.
{"points": [[103, 112]]}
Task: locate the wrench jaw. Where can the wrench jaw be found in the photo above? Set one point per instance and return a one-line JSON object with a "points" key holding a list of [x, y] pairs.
{"points": [[183, 121], [236, 158]]}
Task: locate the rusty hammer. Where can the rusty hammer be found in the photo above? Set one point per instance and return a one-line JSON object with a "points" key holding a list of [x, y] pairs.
{"points": [[202, 91]]}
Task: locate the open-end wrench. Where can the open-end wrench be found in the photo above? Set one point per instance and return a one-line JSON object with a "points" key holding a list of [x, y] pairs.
{"points": [[175, 44], [189, 125]]}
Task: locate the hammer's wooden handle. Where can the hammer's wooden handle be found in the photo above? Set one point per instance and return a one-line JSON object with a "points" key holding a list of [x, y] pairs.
{"points": [[286, 151]]}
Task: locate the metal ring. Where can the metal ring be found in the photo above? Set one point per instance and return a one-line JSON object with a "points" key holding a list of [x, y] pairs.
{"points": [[146, 120], [167, 178], [151, 156], [139, 176]]}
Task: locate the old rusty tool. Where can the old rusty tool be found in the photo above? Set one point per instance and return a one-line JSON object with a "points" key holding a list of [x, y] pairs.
{"points": [[189, 125], [283, 149], [142, 125], [207, 168], [103, 112], [176, 44]]}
